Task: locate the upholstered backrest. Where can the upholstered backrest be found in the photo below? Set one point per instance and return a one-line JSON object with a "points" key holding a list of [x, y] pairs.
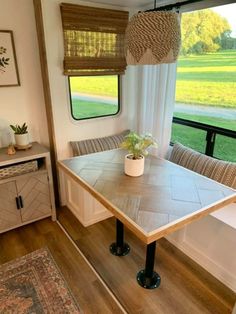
{"points": [[98, 144], [218, 170]]}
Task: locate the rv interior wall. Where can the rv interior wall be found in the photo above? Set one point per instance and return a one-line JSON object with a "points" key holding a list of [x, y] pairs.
{"points": [[24, 103], [67, 129]]}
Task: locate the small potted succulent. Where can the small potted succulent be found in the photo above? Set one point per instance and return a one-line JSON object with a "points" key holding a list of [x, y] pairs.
{"points": [[137, 147], [21, 135]]}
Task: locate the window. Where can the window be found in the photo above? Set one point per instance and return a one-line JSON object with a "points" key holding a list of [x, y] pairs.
{"points": [[94, 96], [206, 83], [93, 58]]}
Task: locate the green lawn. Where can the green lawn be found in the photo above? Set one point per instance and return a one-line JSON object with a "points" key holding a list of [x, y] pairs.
{"points": [[222, 123], [225, 148], [207, 79], [85, 109], [204, 79], [95, 85]]}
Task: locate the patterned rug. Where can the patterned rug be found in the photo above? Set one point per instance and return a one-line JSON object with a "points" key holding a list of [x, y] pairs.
{"points": [[34, 284]]}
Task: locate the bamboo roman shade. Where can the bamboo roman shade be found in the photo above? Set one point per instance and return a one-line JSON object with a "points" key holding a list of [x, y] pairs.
{"points": [[93, 40]]}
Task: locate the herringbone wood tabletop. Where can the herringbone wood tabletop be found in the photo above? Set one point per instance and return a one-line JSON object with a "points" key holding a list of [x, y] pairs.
{"points": [[163, 199]]}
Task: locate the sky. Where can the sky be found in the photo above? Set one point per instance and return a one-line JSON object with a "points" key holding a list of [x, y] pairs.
{"points": [[229, 12]]}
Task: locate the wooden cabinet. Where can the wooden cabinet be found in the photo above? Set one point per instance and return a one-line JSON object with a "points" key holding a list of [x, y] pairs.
{"points": [[9, 216], [28, 197]]}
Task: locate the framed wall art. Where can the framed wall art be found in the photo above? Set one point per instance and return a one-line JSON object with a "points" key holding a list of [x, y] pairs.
{"points": [[9, 75]]}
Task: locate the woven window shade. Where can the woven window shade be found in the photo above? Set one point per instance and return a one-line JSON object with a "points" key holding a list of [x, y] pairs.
{"points": [[93, 40]]}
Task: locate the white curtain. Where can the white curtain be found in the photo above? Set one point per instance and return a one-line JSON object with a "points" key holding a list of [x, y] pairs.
{"points": [[156, 90]]}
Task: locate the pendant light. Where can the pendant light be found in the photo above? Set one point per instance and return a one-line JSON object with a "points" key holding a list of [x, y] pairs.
{"points": [[153, 37]]}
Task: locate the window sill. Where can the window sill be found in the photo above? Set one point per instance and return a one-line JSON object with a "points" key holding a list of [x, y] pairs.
{"points": [[227, 215]]}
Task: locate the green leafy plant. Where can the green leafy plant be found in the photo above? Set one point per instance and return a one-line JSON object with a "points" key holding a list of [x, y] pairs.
{"points": [[19, 129], [3, 61], [137, 144]]}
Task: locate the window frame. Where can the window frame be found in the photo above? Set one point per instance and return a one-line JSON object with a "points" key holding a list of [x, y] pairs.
{"points": [[102, 116], [211, 131]]}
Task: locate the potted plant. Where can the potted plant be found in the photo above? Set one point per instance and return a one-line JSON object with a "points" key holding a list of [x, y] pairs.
{"points": [[137, 147], [21, 135]]}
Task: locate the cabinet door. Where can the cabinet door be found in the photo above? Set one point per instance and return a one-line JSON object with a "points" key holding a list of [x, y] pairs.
{"points": [[9, 214], [34, 192]]}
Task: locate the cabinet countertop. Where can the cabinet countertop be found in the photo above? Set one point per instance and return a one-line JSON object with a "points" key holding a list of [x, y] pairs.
{"points": [[36, 151]]}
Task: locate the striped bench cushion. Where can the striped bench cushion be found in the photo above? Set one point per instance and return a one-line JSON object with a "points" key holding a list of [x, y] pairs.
{"points": [[218, 170], [97, 144]]}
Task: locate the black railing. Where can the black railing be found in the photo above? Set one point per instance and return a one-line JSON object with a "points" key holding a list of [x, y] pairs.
{"points": [[211, 132]]}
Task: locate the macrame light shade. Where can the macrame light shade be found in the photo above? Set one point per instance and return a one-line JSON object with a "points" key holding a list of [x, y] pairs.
{"points": [[153, 38]]}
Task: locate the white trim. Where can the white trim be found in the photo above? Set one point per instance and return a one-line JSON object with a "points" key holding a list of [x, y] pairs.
{"points": [[211, 266], [93, 269]]}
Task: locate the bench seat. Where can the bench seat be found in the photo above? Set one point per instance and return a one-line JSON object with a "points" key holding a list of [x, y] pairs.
{"points": [[96, 145], [221, 171], [210, 241]]}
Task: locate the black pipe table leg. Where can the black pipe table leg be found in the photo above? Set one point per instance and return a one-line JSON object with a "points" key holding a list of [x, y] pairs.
{"points": [[119, 248], [148, 278]]}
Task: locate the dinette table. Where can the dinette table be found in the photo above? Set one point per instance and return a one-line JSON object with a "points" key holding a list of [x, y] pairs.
{"points": [[164, 199]]}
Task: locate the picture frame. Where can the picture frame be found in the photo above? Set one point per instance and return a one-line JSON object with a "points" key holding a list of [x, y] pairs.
{"points": [[9, 74]]}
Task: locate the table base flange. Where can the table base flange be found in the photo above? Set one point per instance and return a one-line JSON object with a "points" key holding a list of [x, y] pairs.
{"points": [[146, 282], [119, 250]]}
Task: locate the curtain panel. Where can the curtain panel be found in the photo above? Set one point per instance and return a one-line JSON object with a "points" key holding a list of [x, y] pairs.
{"points": [[93, 40], [156, 103]]}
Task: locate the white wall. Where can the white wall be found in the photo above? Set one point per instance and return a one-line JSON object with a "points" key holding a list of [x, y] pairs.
{"points": [[24, 103], [65, 128]]}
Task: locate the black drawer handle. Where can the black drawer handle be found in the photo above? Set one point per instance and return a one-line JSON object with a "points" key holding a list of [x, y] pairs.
{"points": [[21, 202], [17, 203]]}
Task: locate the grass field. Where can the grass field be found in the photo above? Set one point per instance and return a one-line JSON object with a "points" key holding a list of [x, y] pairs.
{"points": [[203, 80], [207, 79], [220, 122], [225, 148], [84, 109], [95, 85]]}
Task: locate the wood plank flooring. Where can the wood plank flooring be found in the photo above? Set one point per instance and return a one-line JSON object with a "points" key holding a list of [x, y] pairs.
{"points": [[84, 284], [185, 287]]}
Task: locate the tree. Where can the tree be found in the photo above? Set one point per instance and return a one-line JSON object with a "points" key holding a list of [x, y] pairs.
{"points": [[202, 31]]}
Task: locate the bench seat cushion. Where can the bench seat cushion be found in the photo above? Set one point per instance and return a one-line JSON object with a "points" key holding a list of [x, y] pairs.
{"points": [[98, 144], [218, 170]]}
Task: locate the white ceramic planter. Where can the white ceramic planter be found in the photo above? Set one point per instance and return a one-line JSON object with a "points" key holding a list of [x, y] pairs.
{"points": [[22, 140], [134, 167]]}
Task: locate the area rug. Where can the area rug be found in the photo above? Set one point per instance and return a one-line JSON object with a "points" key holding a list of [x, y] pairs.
{"points": [[34, 284]]}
